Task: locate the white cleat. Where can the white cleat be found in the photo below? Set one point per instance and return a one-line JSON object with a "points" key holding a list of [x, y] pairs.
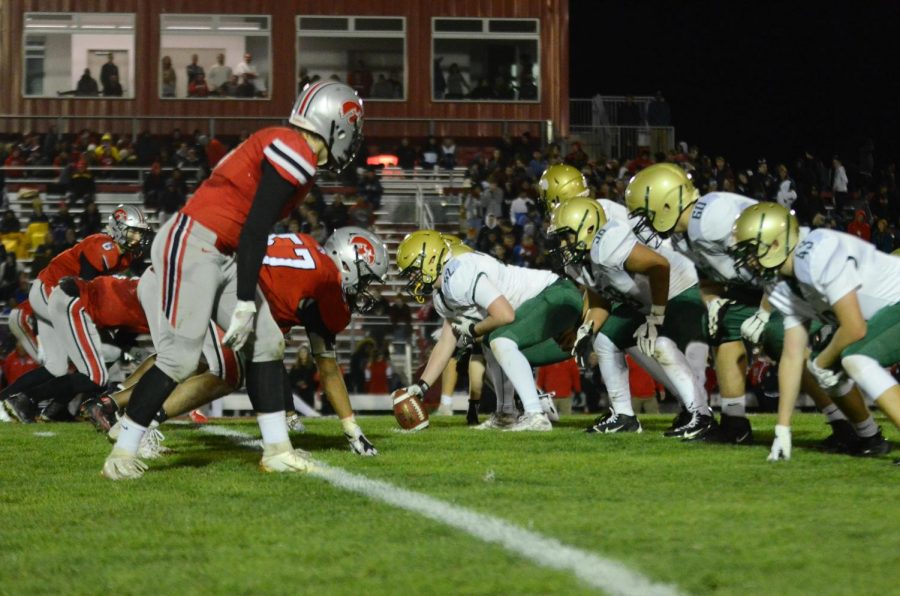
{"points": [[531, 421], [444, 410], [293, 460], [548, 406], [121, 465], [497, 422], [150, 447], [4, 417]]}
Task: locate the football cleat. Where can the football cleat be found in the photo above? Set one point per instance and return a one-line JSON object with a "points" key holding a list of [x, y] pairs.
{"points": [[843, 439], [548, 406], [151, 447], [681, 419], [531, 421], [734, 430], [472, 414], [121, 465], [198, 417], [20, 407], [294, 423], [4, 417], [497, 422], [872, 446], [101, 411], [696, 428], [444, 410], [292, 460], [616, 423]]}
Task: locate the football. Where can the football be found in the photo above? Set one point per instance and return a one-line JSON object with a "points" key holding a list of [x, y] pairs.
{"points": [[409, 411]]}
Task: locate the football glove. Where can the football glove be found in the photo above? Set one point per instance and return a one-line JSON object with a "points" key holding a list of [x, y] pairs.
{"points": [[584, 344], [241, 325], [752, 329], [647, 333], [359, 444], [418, 389], [781, 446], [826, 378], [714, 311], [465, 330]]}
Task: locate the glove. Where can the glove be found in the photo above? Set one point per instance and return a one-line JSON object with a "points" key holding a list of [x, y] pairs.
{"points": [[359, 444], [826, 378], [752, 328], [781, 446], [465, 330], [646, 334], [714, 310], [583, 346], [418, 389], [241, 325]]}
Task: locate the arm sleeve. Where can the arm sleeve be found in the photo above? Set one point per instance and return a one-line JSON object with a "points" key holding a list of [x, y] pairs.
{"points": [[271, 196], [321, 339], [87, 270]]}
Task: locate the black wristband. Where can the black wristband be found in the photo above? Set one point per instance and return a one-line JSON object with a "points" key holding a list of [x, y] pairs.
{"points": [[423, 386]]}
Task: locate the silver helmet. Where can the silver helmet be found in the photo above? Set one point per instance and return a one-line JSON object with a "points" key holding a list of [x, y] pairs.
{"points": [[129, 227], [333, 111], [362, 258]]}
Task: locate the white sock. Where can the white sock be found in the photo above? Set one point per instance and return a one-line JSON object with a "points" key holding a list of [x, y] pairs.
{"points": [[350, 426], [614, 371], [273, 427], [833, 413], [446, 400], [735, 406], [516, 367], [866, 428], [130, 437]]}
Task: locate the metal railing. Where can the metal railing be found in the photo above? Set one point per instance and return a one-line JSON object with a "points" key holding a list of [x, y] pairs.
{"points": [[605, 110], [424, 214], [622, 142], [100, 174]]}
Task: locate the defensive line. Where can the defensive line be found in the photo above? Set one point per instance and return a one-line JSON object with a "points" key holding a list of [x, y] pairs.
{"points": [[599, 572]]}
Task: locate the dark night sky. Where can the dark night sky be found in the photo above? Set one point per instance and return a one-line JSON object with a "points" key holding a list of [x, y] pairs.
{"points": [[750, 79]]}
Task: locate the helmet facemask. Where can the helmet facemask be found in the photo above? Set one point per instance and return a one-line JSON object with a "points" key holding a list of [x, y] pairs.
{"points": [[362, 300]]}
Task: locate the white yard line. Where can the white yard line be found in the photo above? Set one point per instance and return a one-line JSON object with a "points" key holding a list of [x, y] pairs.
{"points": [[600, 572]]}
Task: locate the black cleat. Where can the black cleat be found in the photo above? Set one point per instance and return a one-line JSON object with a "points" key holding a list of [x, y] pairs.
{"points": [[102, 412], [56, 412], [872, 446], [843, 438], [681, 419], [472, 413], [698, 426], [616, 423], [733, 430], [21, 407]]}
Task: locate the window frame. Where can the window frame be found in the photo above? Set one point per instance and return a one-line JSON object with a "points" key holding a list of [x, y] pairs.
{"points": [[485, 34], [352, 32]]}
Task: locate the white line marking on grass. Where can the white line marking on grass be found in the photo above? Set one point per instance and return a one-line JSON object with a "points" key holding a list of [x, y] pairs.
{"points": [[44, 433], [597, 571]]}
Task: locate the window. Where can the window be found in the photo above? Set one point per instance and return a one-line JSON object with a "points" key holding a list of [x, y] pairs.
{"points": [[78, 54], [485, 59], [367, 53], [215, 56]]}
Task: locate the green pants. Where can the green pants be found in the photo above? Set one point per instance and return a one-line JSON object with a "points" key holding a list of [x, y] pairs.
{"points": [[539, 320], [882, 340], [772, 339], [685, 321]]}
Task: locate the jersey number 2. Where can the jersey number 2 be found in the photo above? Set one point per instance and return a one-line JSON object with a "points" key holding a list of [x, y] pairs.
{"points": [[302, 259]]}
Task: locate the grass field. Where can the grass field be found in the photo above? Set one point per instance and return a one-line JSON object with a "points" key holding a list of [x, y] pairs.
{"points": [[700, 518]]}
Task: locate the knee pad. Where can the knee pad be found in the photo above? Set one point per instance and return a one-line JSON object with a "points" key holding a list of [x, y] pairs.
{"points": [[666, 351], [872, 378], [267, 349]]}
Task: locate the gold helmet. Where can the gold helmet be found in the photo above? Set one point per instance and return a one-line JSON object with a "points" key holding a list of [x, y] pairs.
{"points": [[765, 234], [420, 258], [574, 223], [457, 246], [559, 183], [659, 194]]}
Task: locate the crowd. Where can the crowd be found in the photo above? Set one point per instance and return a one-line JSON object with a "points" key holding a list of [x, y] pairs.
{"points": [[221, 80]]}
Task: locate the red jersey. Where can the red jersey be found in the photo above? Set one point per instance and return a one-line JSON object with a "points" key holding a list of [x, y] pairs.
{"points": [[223, 201], [97, 250], [112, 303], [296, 268], [17, 365]]}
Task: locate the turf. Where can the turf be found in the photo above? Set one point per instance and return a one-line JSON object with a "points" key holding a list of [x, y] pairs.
{"points": [[709, 519]]}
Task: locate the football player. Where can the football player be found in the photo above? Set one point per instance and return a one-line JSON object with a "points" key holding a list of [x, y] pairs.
{"points": [[641, 284], [520, 312], [665, 200], [836, 278], [231, 213]]}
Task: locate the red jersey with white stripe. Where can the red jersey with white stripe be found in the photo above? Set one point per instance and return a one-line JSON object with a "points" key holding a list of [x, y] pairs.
{"points": [[98, 250], [223, 200], [296, 269], [112, 303]]}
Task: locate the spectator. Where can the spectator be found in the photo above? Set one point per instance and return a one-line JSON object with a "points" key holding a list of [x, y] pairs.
{"points": [[87, 85], [564, 380], [361, 79], [245, 88], [37, 212], [361, 213], [525, 254], [9, 276], [61, 220], [882, 237], [219, 74], [44, 254], [447, 157], [440, 83], [762, 184], [153, 187], [471, 206], [168, 77], [194, 70], [457, 86], [394, 80], [492, 199], [171, 200], [10, 223], [643, 389], [337, 213], [50, 144], [91, 222], [577, 158], [383, 88], [377, 374], [481, 90], [537, 165], [107, 72], [15, 159], [787, 192], [502, 88], [882, 206], [114, 89], [401, 319], [247, 70], [370, 187], [106, 155], [430, 154], [231, 87], [68, 240], [314, 227], [528, 90], [859, 227], [83, 188], [406, 155], [839, 182], [198, 86], [518, 210], [359, 362], [489, 234], [302, 377]]}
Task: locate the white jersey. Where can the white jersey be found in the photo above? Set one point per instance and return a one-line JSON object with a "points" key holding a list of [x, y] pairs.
{"points": [[619, 212], [612, 245], [475, 280], [708, 237], [828, 265]]}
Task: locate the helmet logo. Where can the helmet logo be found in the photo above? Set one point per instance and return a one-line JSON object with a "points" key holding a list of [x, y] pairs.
{"points": [[364, 249], [120, 215], [352, 111]]}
